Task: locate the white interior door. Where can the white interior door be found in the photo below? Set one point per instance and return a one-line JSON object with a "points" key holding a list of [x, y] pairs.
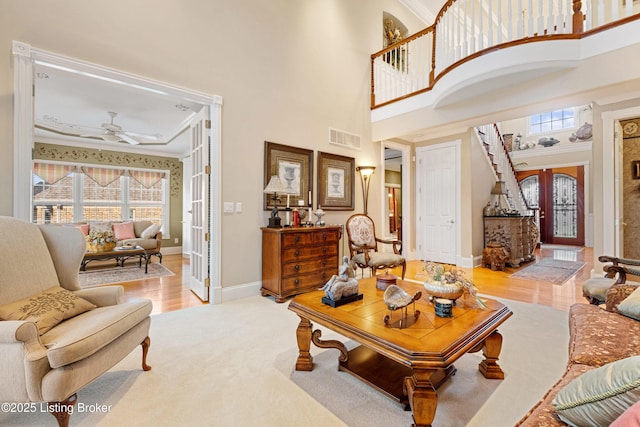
{"points": [[436, 198], [199, 257]]}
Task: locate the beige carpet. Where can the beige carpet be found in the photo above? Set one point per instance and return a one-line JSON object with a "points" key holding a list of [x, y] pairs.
{"points": [[127, 273], [232, 365]]}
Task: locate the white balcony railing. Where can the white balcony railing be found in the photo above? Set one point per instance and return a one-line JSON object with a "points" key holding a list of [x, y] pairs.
{"points": [[465, 29]]}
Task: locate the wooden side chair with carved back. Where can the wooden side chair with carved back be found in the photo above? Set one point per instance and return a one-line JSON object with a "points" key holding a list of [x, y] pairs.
{"points": [[363, 246]]}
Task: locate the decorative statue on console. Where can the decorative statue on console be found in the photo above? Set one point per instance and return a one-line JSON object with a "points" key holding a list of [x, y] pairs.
{"points": [[344, 284]]}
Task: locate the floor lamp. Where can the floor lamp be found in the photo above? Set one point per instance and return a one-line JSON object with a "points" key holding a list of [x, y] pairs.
{"points": [[365, 175]]}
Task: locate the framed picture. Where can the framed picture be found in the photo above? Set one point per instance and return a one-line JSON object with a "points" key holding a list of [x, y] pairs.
{"points": [[336, 182], [294, 167]]}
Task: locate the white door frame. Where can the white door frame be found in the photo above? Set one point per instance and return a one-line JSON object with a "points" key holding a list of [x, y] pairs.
{"points": [[408, 247], [23, 124]]}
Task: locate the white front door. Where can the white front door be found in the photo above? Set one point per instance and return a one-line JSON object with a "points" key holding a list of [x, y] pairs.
{"points": [[437, 190], [199, 257]]}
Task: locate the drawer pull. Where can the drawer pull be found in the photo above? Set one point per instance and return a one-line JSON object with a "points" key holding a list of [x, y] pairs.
{"points": [[324, 237], [297, 253], [296, 267], [324, 249], [296, 282], [324, 276], [296, 239], [324, 263]]}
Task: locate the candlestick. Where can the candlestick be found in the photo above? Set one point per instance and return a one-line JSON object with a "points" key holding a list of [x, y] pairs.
{"points": [[310, 202], [287, 201]]}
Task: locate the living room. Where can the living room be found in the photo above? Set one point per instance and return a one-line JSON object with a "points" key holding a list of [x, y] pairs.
{"points": [[290, 73]]}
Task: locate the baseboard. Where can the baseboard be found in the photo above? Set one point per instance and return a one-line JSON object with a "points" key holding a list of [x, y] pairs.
{"points": [[468, 262], [240, 291], [171, 250]]}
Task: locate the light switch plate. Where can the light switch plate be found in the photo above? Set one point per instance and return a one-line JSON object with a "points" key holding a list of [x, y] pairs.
{"points": [[228, 207], [238, 207]]}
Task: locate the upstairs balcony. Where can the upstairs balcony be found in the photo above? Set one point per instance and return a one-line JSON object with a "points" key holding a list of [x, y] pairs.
{"points": [[486, 56]]}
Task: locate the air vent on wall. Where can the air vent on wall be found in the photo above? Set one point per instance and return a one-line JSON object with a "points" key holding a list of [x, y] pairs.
{"points": [[345, 139]]}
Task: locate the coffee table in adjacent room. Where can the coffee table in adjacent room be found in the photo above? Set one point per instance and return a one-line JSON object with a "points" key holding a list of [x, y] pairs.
{"points": [[405, 364], [120, 256]]}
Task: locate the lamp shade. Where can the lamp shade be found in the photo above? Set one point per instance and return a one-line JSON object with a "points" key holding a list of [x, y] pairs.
{"points": [[366, 171], [275, 186], [499, 188]]}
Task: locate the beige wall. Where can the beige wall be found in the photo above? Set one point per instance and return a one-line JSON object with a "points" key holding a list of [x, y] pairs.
{"points": [[287, 71]]}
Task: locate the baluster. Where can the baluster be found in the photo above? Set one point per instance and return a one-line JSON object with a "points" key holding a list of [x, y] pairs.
{"points": [[530, 28], [551, 19], [615, 11], [473, 28], [600, 12], [509, 21], [465, 45], [560, 25], [458, 41], [629, 7], [489, 24], [499, 27]]}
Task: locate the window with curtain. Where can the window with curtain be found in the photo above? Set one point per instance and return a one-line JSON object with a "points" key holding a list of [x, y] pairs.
{"points": [[68, 193]]}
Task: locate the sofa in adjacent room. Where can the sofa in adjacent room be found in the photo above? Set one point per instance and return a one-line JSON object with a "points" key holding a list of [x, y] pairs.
{"points": [[141, 233]]}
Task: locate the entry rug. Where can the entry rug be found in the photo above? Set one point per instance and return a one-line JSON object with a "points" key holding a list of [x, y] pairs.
{"points": [[550, 270], [105, 276]]}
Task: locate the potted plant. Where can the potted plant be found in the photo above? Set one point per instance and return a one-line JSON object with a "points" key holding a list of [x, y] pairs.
{"points": [[448, 282]]}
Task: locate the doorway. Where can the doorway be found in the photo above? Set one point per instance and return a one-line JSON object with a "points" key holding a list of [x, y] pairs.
{"points": [[559, 193], [396, 201], [25, 57]]}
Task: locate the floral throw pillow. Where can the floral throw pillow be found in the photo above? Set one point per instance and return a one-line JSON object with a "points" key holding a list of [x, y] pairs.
{"points": [[46, 309]]}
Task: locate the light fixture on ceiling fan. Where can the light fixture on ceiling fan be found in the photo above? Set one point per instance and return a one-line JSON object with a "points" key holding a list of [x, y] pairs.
{"points": [[114, 132]]}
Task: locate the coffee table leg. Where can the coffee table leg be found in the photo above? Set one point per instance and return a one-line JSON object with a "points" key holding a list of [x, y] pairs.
{"points": [[422, 396], [491, 350], [303, 334]]}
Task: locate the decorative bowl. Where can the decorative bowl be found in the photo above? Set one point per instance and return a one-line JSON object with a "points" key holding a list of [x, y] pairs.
{"points": [[109, 246], [546, 141], [442, 290]]}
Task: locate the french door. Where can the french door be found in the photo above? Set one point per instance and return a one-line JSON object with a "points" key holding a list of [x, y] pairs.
{"points": [[559, 193]]}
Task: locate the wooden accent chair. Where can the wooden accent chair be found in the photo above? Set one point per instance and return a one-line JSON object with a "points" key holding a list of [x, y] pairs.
{"points": [[55, 338], [363, 246], [616, 271]]}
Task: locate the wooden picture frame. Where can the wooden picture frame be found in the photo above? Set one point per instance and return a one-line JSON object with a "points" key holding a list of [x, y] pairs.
{"points": [[294, 166], [336, 183]]}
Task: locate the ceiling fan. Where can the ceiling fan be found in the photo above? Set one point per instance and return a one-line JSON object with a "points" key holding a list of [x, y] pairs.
{"points": [[114, 132]]}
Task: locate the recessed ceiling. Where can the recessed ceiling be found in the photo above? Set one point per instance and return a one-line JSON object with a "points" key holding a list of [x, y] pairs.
{"points": [[72, 106]]}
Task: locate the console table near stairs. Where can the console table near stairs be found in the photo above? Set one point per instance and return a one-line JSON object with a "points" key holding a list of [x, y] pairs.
{"points": [[519, 234]]}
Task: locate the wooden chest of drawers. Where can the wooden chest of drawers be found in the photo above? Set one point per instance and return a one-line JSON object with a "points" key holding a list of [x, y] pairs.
{"points": [[297, 260]]}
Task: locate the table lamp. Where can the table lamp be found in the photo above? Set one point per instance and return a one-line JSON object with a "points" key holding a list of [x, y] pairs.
{"points": [[275, 186]]}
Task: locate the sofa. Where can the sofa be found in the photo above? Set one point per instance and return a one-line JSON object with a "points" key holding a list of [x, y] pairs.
{"points": [[141, 233], [55, 338], [602, 381]]}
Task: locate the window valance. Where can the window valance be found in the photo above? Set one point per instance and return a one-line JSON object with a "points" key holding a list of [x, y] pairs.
{"points": [[52, 173], [147, 178], [102, 176]]}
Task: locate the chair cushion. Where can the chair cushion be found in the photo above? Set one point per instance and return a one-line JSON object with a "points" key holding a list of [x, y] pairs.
{"points": [[380, 259], [598, 397], [84, 335], [47, 308], [597, 287], [599, 337], [124, 230]]}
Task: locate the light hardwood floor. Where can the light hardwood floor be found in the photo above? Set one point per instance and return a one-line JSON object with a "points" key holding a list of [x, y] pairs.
{"points": [[173, 293]]}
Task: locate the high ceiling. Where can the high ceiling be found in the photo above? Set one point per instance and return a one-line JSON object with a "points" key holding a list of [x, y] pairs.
{"points": [[105, 113]]}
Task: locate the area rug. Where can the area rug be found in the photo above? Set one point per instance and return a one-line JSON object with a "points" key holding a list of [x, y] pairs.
{"points": [[128, 273], [233, 365], [550, 270]]}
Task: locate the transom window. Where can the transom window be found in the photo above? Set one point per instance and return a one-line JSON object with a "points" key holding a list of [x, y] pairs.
{"points": [[65, 193], [552, 121]]}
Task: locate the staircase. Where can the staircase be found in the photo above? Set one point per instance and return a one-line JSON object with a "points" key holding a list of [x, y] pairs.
{"points": [[497, 154]]}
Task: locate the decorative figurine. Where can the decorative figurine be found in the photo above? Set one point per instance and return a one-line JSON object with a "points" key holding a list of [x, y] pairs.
{"points": [[344, 284], [397, 298], [319, 214]]}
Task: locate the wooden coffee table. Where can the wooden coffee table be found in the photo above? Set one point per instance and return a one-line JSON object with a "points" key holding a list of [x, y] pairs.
{"points": [[405, 364], [120, 256]]}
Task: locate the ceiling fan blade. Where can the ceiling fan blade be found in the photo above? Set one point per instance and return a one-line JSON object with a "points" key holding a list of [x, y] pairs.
{"points": [[123, 136], [110, 137]]}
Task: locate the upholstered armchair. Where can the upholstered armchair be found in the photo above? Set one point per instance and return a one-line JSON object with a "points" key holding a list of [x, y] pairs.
{"points": [[55, 338], [363, 246]]}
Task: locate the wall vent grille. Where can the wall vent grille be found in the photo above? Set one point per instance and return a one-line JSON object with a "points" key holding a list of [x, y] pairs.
{"points": [[345, 139]]}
